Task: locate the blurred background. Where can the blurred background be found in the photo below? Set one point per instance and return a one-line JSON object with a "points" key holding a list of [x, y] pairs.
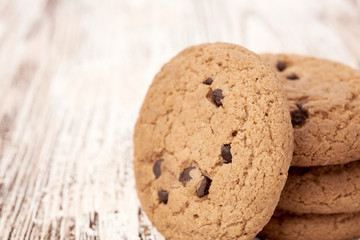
{"points": [[73, 76]]}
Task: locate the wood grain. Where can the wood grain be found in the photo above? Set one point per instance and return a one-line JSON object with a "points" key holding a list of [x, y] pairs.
{"points": [[73, 77]]}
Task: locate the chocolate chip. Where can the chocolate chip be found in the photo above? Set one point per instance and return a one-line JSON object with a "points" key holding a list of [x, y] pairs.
{"points": [[292, 76], [204, 186], [226, 154], [156, 167], [298, 117], [185, 175], [234, 133], [208, 81], [281, 65], [163, 196], [217, 96]]}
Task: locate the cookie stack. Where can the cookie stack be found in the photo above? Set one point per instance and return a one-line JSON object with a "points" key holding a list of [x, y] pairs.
{"points": [[321, 198], [218, 130]]}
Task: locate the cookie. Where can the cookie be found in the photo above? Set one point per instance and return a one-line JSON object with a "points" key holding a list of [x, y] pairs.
{"points": [[324, 190], [324, 99], [286, 226], [212, 144]]}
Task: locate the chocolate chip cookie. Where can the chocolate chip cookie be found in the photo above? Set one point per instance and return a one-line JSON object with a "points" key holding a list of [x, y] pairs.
{"points": [[325, 190], [324, 99], [212, 144], [287, 226]]}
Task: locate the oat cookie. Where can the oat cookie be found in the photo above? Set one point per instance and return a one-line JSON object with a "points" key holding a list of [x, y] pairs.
{"points": [[324, 99], [212, 144], [324, 190], [287, 226]]}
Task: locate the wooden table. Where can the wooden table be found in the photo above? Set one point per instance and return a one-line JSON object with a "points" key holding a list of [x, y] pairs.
{"points": [[73, 76]]}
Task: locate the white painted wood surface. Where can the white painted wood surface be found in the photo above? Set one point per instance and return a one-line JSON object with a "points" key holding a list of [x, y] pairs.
{"points": [[73, 76]]}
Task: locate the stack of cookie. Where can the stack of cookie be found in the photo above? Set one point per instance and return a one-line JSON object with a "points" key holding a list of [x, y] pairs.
{"points": [[321, 198], [213, 144], [216, 136]]}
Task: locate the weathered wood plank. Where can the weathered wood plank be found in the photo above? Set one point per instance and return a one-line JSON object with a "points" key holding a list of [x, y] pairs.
{"points": [[72, 80]]}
